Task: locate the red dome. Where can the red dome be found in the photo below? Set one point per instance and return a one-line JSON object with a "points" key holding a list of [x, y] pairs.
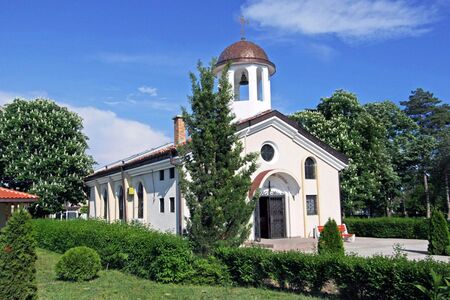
{"points": [[244, 52]]}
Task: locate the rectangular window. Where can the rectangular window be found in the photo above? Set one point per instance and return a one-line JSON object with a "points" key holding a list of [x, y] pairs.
{"points": [[161, 175], [172, 204], [311, 205], [172, 172], [161, 205]]}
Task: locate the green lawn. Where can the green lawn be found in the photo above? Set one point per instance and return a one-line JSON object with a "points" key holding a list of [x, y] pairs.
{"points": [[116, 285]]}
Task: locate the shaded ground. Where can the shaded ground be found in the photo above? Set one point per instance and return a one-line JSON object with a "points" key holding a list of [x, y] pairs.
{"points": [[414, 249], [116, 285]]}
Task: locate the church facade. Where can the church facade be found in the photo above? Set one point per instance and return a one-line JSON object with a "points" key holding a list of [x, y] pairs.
{"points": [[297, 178]]}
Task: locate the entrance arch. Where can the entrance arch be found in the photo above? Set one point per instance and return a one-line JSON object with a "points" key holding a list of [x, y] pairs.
{"points": [[277, 188]]}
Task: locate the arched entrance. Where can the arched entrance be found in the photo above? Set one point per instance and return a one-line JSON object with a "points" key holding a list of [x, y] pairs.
{"points": [[277, 189]]}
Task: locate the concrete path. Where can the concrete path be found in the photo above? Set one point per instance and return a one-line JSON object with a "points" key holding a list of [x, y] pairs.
{"points": [[414, 249]]}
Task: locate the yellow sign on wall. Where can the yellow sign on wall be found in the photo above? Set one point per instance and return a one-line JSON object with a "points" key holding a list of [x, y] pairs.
{"points": [[131, 191]]}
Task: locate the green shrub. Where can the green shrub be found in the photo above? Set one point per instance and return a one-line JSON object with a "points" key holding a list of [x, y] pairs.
{"points": [[354, 277], [78, 264], [210, 271], [247, 266], [330, 240], [438, 237], [389, 227], [18, 258], [134, 249]]}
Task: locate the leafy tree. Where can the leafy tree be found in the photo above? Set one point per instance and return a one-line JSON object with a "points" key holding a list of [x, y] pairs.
{"points": [[438, 236], [42, 151], [442, 167], [427, 111], [18, 258], [344, 124], [217, 176], [330, 240], [433, 118]]}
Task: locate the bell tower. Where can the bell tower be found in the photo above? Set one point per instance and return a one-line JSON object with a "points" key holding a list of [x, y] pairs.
{"points": [[249, 76]]}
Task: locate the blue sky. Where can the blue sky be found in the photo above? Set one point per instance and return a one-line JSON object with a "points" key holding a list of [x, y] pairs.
{"points": [[123, 65]]}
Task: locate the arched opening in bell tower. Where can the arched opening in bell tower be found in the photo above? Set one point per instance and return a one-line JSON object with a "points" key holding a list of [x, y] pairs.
{"points": [[241, 90]]}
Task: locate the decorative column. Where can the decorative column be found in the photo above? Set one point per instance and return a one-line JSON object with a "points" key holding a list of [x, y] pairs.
{"points": [[231, 81], [111, 202], [266, 87], [252, 83], [98, 201]]}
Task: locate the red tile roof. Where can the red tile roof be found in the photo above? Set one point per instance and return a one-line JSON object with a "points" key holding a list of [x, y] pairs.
{"points": [[7, 195]]}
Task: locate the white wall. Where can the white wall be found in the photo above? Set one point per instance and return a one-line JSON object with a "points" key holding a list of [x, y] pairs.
{"points": [[290, 157]]}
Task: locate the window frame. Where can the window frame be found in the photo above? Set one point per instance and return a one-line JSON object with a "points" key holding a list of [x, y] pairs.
{"points": [[172, 204], [313, 198], [120, 194], [105, 203], [172, 173], [161, 205], [161, 175], [310, 169], [140, 204]]}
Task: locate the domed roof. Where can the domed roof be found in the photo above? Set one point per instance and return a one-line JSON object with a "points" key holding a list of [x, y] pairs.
{"points": [[244, 52]]}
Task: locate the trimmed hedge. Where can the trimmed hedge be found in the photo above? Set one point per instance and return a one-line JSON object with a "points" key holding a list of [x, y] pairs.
{"points": [[354, 277], [394, 227], [168, 258], [78, 264], [158, 256]]}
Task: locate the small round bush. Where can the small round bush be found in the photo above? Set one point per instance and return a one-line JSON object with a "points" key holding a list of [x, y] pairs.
{"points": [[78, 264]]}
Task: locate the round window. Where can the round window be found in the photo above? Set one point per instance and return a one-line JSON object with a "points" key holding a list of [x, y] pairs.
{"points": [[267, 152]]}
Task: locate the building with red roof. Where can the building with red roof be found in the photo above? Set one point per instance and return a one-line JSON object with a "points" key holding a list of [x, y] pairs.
{"points": [[11, 200], [297, 178]]}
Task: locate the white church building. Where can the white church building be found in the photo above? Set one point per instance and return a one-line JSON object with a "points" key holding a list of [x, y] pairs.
{"points": [[297, 176]]}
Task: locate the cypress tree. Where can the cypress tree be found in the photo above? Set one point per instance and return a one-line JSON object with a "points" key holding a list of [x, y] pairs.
{"points": [[216, 176], [18, 258], [438, 236], [330, 240]]}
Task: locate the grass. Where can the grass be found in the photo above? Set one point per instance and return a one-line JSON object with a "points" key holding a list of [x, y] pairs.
{"points": [[113, 284]]}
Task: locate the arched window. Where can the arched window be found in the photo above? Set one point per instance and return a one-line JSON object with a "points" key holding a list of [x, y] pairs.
{"points": [[310, 168], [105, 204], [140, 194], [121, 201]]}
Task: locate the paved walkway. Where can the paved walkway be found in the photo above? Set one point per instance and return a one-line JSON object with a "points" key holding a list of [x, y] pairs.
{"points": [[414, 249]]}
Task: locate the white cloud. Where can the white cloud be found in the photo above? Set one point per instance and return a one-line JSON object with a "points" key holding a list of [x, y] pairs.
{"points": [[347, 19], [148, 90], [8, 96], [110, 137]]}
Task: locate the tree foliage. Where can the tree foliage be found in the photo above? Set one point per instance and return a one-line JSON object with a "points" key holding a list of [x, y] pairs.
{"points": [[42, 151], [18, 258], [342, 122], [217, 176]]}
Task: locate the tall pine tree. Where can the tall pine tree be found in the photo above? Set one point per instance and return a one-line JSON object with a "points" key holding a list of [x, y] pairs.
{"points": [[216, 173]]}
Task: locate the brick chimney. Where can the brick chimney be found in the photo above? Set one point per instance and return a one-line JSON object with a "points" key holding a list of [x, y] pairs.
{"points": [[179, 130]]}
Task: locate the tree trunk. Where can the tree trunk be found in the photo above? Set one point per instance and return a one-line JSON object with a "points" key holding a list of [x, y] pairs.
{"points": [[388, 208], [427, 194], [405, 213], [447, 194]]}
